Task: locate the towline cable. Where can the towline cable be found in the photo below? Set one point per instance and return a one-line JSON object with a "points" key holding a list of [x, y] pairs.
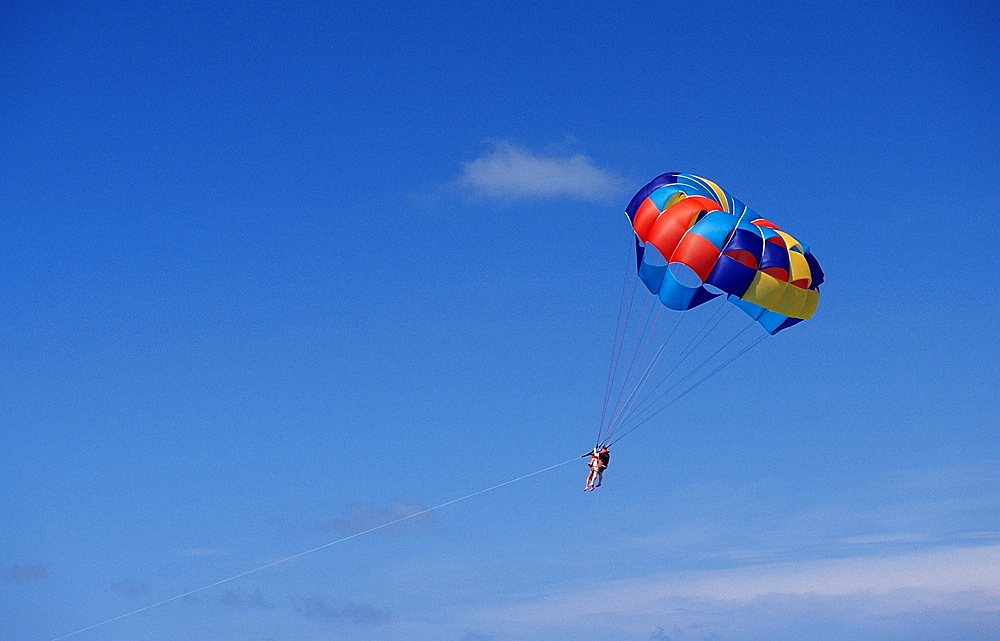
{"points": [[315, 549]]}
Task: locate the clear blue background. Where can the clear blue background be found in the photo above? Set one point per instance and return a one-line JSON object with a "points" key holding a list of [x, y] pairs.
{"points": [[248, 283]]}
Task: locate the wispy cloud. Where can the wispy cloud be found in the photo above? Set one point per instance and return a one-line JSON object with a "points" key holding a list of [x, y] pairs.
{"points": [[879, 559], [872, 514], [881, 539], [24, 573], [511, 172], [130, 588], [203, 552], [245, 598], [316, 608], [359, 518], [943, 579]]}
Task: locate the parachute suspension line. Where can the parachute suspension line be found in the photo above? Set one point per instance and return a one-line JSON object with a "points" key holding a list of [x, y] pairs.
{"points": [[732, 358], [638, 358], [641, 331], [683, 356], [642, 379], [618, 420], [644, 330], [704, 378], [315, 549], [616, 347], [694, 371], [642, 316]]}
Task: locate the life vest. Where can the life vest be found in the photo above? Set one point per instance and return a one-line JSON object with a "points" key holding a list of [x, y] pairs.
{"points": [[605, 456]]}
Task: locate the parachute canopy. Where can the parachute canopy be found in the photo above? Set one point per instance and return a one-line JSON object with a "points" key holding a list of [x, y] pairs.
{"points": [[695, 241]]}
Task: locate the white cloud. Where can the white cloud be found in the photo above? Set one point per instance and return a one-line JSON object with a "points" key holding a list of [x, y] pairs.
{"points": [[954, 578], [514, 173], [413, 519], [203, 552], [879, 539], [24, 573], [246, 598], [130, 588], [316, 608]]}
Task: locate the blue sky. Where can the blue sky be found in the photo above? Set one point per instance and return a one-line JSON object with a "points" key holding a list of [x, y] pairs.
{"points": [[275, 274]]}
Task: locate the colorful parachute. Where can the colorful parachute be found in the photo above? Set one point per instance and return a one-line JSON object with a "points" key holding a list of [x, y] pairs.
{"points": [[695, 241]]}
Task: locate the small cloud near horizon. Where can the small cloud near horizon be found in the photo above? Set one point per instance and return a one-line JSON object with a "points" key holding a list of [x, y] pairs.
{"points": [[316, 608], [513, 173], [24, 573], [359, 518], [130, 588], [245, 598], [203, 552]]}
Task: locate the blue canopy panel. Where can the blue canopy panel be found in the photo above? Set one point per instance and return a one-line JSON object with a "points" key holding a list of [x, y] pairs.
{"points": [[661, 188], [671, 283], [773, 322], [642, 194], [679, 282], [736, 267], [814, 269]]}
